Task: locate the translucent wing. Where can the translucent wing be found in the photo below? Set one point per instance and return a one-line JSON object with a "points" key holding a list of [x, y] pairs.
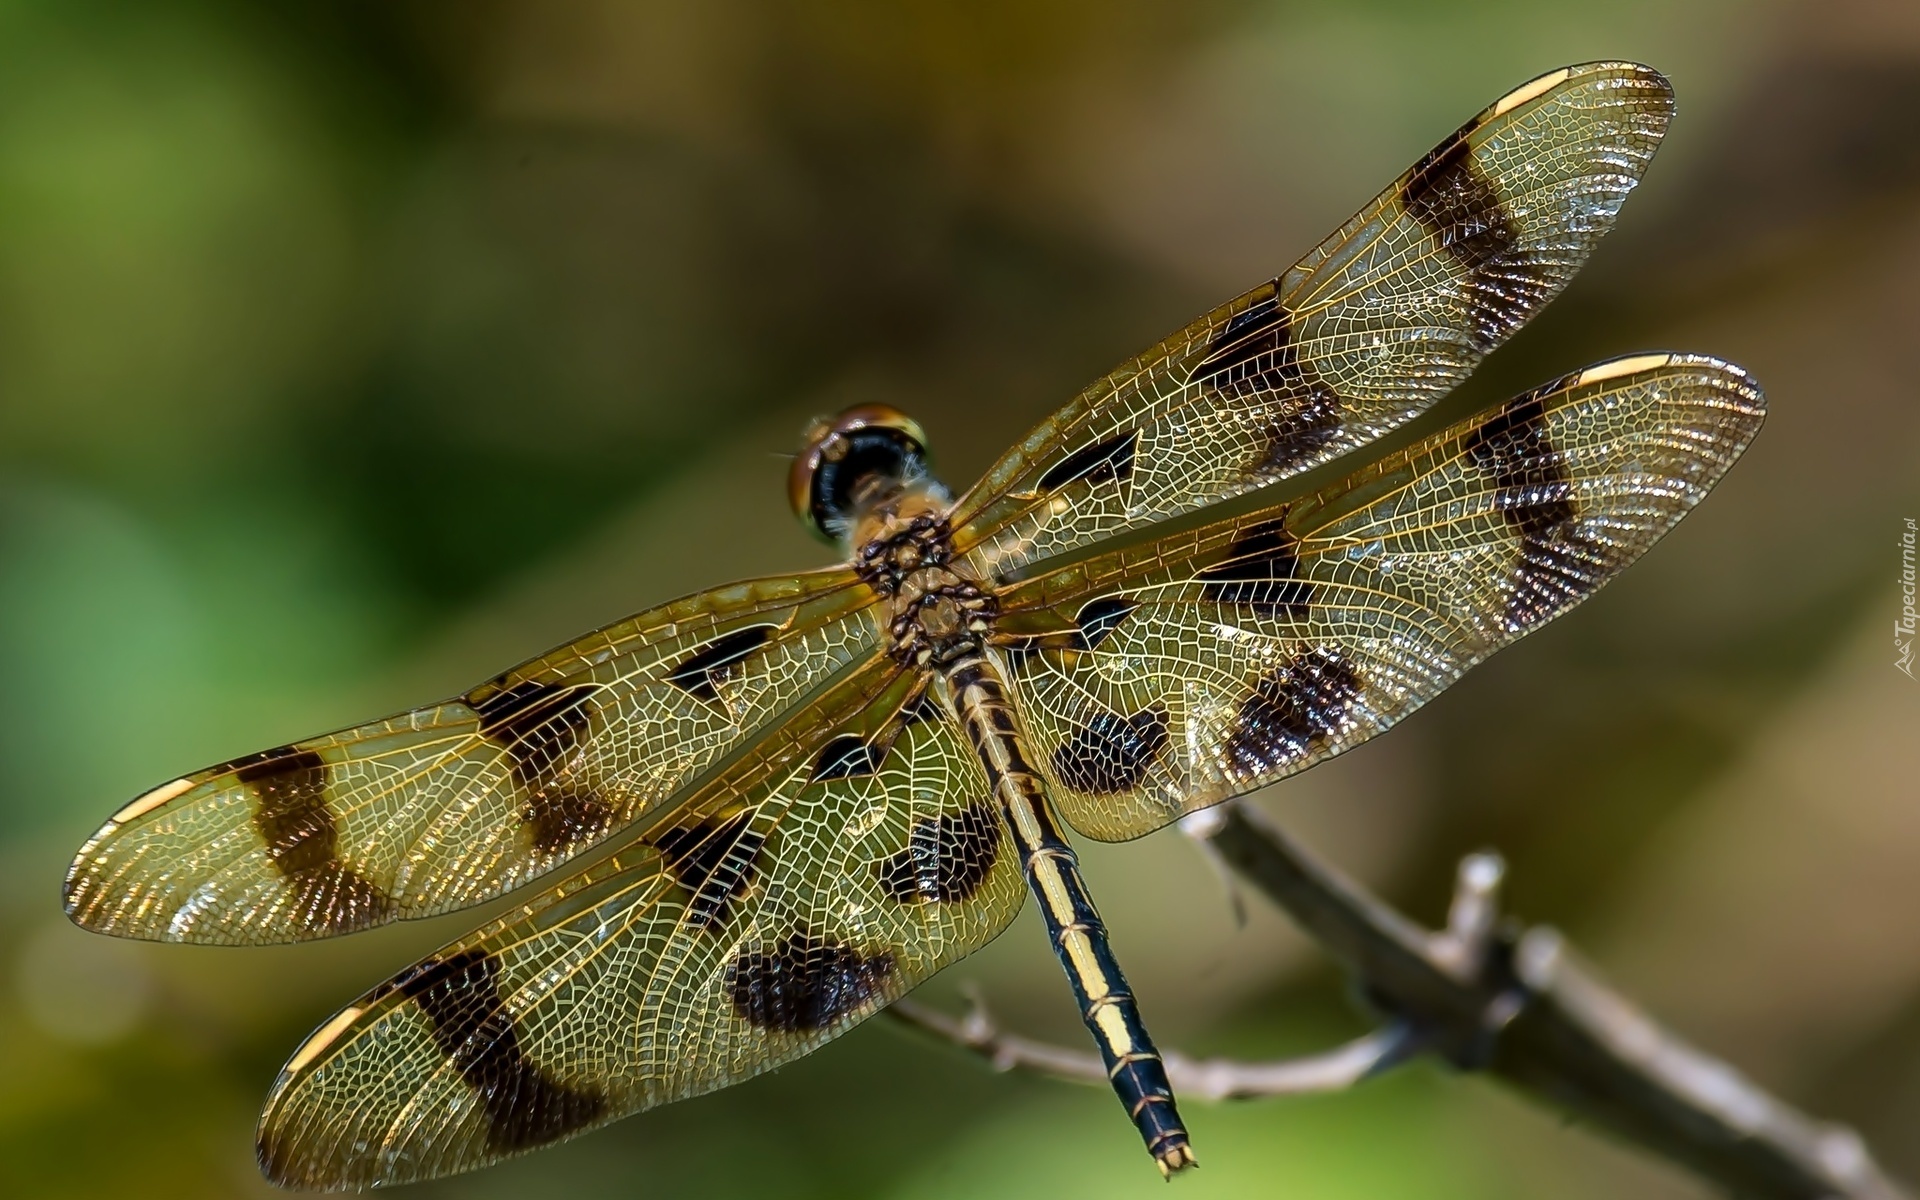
{"points": [[1161, 679], [454, 803], [845, 860], [1378, 322]]}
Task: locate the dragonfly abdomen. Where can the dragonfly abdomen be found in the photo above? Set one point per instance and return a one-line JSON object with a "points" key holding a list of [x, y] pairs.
{"points": [[1073, 923]]}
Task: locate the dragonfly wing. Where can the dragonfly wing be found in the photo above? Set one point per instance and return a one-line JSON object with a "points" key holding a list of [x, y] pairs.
{"points": [[452, 804], [849, 857], [1164, 678], [1364, 333]]}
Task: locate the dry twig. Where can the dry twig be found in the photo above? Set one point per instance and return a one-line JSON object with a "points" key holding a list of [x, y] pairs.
{"points": [[1486, 994]]}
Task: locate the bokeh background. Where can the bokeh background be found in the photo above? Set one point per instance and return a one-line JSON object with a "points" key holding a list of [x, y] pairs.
{"points": [[351, 351]]}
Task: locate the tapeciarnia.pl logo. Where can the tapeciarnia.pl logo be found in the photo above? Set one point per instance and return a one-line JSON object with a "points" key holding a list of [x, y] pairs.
{"points": [[1903, 627]]}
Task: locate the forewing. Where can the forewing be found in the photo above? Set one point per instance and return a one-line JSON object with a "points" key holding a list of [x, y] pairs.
{"points": [[454, 803], [1372, 327], [1166, 678], [833, 868]]}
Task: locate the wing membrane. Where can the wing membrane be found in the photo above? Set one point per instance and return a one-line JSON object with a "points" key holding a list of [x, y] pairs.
{"points": [[826, 873], [1165, 678], [451, 804], [1372, 327]]}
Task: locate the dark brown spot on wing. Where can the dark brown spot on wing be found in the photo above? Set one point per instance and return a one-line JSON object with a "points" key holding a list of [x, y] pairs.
{"points": [[1260, 329], [1099, 617], [291, 810], [847, 757], [1112, 753], [701, 672], [560, 818], [1254, 362], [1106, 461], [1535, 489], [460, 997], [947, 858], [1447, 193], [1558, 562], [302, 840], [1261, 570], [805, 983], [1294, 709], [1300, 429], [714, 861], [540, 725], [1555, 571], [1092, 625]]}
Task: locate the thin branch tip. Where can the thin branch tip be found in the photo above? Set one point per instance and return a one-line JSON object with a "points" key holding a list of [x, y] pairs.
{"points": [[1486, 993]]}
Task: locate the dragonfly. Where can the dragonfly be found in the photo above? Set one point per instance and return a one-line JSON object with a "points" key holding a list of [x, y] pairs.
{"points": [[774, 807]]}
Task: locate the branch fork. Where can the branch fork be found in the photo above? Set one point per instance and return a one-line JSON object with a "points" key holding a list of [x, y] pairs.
{"points": [[1488, 994]]}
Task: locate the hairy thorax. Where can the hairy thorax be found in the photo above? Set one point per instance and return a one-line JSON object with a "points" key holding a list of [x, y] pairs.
{"points": [[937, 612]]}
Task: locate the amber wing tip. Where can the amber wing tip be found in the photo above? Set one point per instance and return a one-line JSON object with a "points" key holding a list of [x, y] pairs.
{"points": [[1174, 1159]]}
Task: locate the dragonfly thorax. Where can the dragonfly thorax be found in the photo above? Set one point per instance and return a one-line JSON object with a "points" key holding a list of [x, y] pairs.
{"points": [[938, 615], [903, 549]]}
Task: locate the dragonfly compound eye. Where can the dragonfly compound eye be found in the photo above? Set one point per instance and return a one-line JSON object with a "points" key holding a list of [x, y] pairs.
{"points": [[851, 461]]}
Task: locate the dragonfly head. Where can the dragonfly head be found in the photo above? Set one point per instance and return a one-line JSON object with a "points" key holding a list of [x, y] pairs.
{"points": [[852, 463]]}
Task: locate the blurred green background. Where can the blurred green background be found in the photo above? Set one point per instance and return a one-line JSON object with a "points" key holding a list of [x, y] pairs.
{"points": [[352, 351]]}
